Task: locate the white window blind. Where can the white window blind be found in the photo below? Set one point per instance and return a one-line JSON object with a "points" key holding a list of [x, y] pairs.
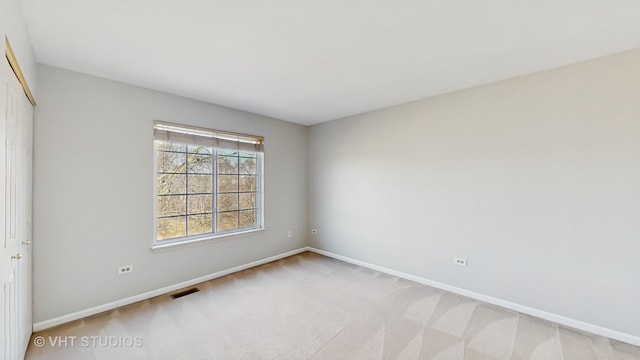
{"points": [[182, 134]]}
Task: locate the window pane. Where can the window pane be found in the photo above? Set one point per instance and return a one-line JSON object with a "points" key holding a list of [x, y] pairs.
{"points": [[200, 224], [227, 202], [247, 183], [226, 152], [171, 162], [227, 165], [247, 166], [201, 164], [171, 184], [171, 227], [248, 154], [171, 205], [167, 146], [247, 200], [200, 184], [200, 204], [200, 150], [227, 221], [247, 218], [227, 183]]}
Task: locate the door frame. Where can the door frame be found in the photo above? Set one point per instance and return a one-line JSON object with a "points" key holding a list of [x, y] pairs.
{"points": [[13, 62]]}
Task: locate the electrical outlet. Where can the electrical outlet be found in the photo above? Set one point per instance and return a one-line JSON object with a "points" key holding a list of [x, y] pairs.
{"points": [[125, 269], [314, 232], [290, 234], [460, 261]]}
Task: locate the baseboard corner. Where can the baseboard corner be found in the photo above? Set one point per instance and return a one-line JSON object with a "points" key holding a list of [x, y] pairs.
{"points": [[556, 318]]}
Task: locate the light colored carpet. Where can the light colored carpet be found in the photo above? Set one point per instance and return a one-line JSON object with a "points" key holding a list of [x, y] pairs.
{"points": [[312, 307]]}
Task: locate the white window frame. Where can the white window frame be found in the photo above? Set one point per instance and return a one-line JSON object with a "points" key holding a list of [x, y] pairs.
{"points": [[214, 236]]}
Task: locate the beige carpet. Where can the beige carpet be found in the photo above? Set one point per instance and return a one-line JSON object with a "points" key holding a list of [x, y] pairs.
{"points": [[312, 307]]}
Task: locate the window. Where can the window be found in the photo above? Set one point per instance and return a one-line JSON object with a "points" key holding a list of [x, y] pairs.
{"points": [[208, 183]]}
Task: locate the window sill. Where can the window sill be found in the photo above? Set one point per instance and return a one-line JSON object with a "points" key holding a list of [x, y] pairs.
{"points": [[204, 240]]}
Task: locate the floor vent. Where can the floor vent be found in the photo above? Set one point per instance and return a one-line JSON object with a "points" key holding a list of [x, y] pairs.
{"points": [[184, 293]]}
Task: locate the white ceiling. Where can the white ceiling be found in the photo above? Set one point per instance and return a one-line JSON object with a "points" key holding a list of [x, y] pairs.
{"points": [[314, 61]]}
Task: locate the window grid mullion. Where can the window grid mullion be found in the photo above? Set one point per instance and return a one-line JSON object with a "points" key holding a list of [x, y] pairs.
{"points": [[186, 196], [238, 192], [214, 193]]}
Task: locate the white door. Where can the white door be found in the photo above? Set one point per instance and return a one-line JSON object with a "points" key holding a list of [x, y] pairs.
{"points": [[5, 262], [25, 210], [14, 184]]}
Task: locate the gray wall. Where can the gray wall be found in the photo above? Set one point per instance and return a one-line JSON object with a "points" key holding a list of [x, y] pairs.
{"points": [[535, 180], [93, 193]]}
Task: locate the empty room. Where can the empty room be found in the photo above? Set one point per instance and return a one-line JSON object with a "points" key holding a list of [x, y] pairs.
{"points": [[216, 179]]}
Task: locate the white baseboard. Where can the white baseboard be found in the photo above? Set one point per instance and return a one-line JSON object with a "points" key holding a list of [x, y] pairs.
{"points": [[149, 294], [563, 320]]}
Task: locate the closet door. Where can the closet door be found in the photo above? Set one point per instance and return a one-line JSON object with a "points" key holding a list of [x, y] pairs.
{"points": [[16, 115], [11, 256], [25, 185]]}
